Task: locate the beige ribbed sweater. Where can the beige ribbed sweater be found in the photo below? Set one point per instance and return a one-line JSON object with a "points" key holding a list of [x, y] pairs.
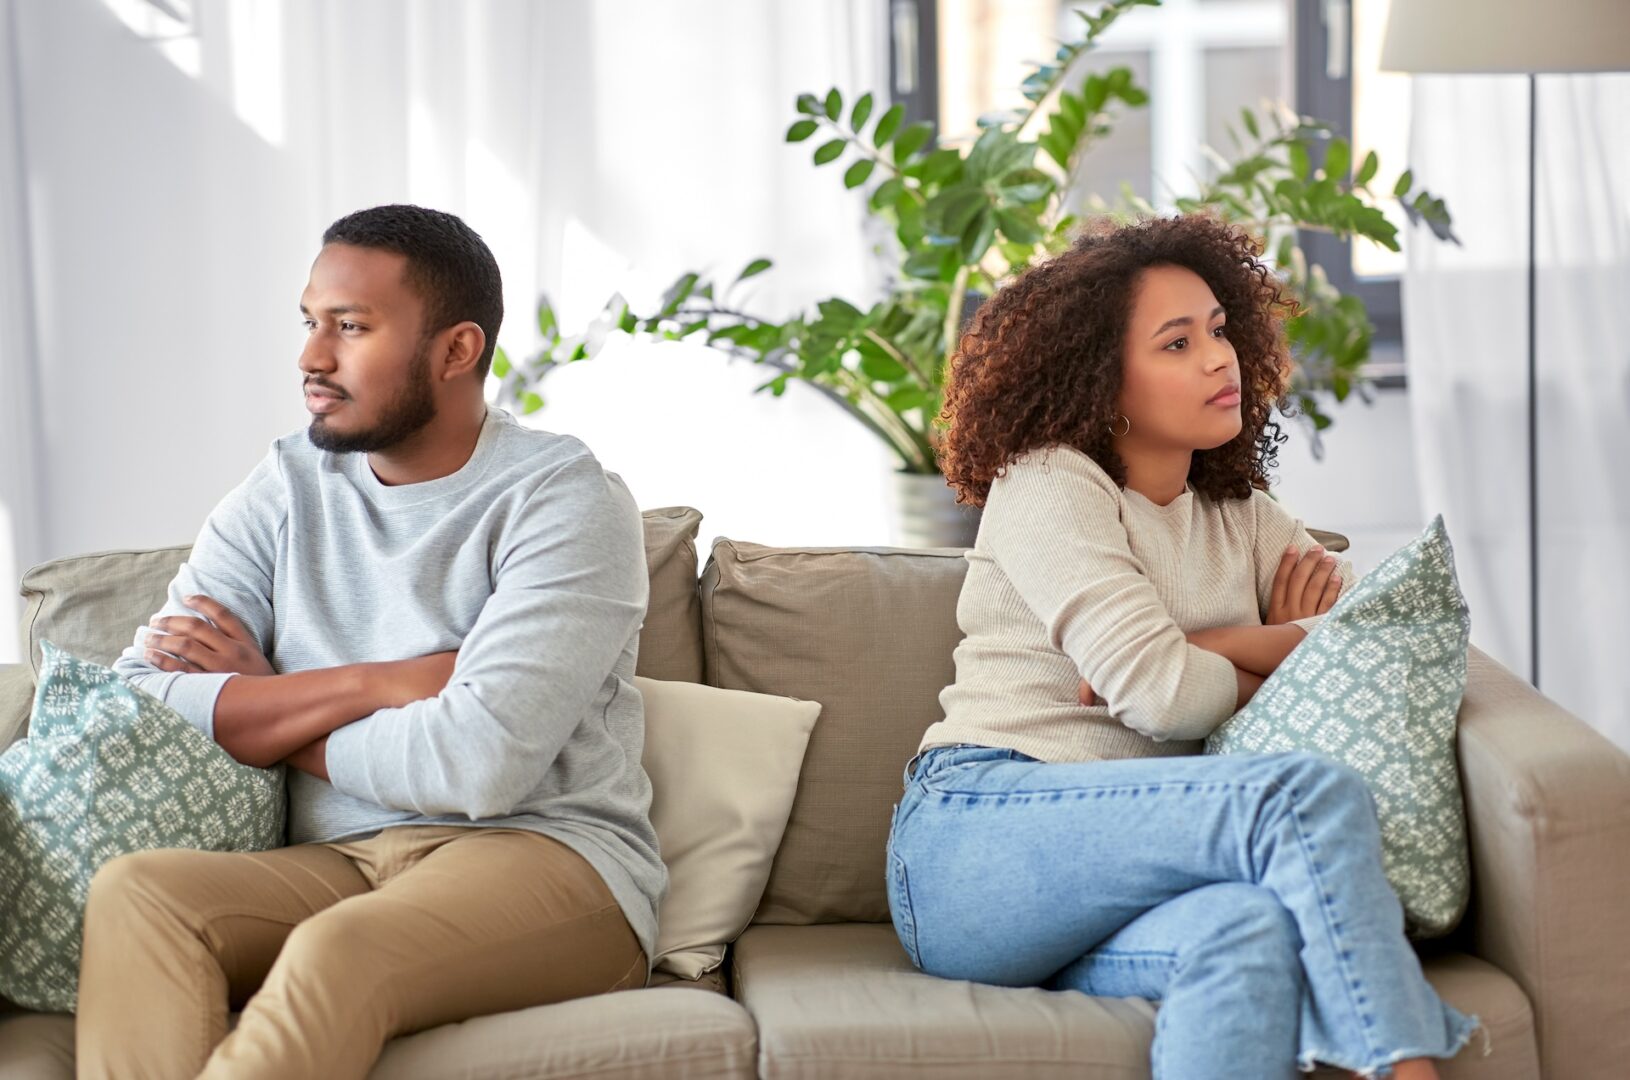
{"points": [[1073, 578]]}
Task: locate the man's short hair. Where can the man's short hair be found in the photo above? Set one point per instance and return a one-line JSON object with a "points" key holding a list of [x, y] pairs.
{"points": [[448, 265]]}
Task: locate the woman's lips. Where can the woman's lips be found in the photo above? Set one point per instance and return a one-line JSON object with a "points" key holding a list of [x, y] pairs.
{"points": [[1225, 401]]}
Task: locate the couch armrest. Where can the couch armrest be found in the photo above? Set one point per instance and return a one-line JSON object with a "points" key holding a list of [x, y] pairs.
{"points": [[1548, 810], [16, 699]]}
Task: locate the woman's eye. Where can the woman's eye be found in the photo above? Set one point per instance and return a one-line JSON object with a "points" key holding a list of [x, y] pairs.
{"points": [[1223, 330], [1177, 346]]}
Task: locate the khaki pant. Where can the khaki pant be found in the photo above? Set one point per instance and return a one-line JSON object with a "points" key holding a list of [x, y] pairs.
{"points": [[331, 950]]}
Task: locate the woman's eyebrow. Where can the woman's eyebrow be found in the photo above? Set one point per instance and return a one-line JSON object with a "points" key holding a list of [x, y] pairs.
{"points": [[1184, 321]]}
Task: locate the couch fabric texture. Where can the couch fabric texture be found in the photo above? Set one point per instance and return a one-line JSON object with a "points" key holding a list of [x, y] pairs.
{"points": [[819, 986]]}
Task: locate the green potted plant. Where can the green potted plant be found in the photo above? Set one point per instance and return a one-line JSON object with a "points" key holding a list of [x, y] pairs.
{"points": [[966, 217]]}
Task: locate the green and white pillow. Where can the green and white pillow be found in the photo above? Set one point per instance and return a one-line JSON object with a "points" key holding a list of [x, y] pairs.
{"points": [[106, 770], [1377, 686]]}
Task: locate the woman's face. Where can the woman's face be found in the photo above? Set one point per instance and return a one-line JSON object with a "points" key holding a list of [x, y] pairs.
{"points": [[1180, 382]]}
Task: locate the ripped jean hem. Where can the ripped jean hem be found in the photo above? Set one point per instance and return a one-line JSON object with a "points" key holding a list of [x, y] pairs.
{"points": [[1308, 1060]]}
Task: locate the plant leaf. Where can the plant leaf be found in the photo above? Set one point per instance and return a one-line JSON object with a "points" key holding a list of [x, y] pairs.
{"points": [[912, 139], [1402, 186], [888, 125], [801, 130], [1337, 160], [857, 173], [830, 150], [754, 268], [1366, 171], [834, 104], [860, 113], [887, 192], [500, 361]]}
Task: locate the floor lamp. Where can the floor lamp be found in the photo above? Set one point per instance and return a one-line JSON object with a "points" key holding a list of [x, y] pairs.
{"points": [[1513, 37]]}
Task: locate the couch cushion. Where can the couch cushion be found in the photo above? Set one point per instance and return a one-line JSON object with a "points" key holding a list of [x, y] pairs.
{"points": [[653, 1033], [90, 605], [845, 1002], [671, 640], [16, 698], [868, 633]]}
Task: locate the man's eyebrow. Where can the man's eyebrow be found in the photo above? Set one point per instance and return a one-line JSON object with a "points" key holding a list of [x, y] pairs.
{"points": [[1184, 321], [341, 309]]}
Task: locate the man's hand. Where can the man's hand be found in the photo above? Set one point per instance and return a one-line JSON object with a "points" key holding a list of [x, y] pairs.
{"points": [[1303, 587], [311, 758], [217, 643]]}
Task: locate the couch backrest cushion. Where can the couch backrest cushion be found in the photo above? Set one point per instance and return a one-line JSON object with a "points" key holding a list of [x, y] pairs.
{"points": [[90, 605], [869, 633]]}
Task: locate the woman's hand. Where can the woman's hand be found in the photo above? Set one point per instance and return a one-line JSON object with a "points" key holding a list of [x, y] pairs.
{"points": [[1303, 587], [1086, 696]]}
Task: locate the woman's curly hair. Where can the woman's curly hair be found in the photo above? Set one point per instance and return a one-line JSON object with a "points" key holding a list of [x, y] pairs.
{"points": [[1041, 363]]}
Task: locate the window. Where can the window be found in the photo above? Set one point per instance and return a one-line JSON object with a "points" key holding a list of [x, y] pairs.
{"points": [[1201, 61]]}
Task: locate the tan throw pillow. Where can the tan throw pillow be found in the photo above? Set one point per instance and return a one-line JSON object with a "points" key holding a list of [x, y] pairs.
{"points": [[724, 767]]}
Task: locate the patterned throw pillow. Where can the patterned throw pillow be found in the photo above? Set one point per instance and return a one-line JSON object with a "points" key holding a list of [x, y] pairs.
{"points": [[106, 769], [1377, 686]]}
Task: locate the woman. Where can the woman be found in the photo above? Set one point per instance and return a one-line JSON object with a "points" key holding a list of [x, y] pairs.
{"points": [[1132, 586]]}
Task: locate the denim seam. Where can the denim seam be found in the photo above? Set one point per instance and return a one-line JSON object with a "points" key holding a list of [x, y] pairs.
{"points": [[1337, 942], [908, 922]]}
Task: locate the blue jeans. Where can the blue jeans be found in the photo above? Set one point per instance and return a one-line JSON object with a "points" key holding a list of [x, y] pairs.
{"points": [[1242, 892]]}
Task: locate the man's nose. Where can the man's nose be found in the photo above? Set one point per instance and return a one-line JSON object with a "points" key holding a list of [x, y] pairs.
{"points": [[317, 356]]}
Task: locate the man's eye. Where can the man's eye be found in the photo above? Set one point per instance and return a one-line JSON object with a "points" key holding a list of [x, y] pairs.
{"points": [[309, 324], [349, 326]]}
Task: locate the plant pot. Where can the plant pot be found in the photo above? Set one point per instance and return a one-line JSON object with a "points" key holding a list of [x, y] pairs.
{"points": [[926, 513]]}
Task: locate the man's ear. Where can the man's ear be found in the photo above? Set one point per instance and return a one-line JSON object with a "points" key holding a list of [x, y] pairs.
{"points": [[465, 344]]}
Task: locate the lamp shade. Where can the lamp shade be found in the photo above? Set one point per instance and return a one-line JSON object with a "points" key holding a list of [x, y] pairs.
{"points": [[1507, 36]]}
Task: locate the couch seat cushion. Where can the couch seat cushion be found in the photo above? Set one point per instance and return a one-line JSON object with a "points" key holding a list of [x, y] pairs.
{"points": [[843, 1001], [656, 1033]]}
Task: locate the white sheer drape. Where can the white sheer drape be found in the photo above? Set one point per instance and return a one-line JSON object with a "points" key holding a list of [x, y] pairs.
{"points": [[1465, 325], [177, 190]]}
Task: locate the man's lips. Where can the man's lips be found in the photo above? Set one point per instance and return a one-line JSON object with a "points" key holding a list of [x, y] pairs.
{"points": [[320, 400]]}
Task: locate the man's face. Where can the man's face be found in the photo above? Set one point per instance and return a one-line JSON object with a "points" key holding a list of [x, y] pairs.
{"points": [[366, 361]]}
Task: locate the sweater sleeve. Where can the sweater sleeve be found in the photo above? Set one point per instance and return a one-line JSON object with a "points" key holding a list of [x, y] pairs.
{"points": [[232, 562], [570, 592], [1276, 529], [1052, 524]]}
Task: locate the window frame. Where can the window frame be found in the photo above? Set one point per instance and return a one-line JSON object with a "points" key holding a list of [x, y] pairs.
{"points": [[1330, 99]]}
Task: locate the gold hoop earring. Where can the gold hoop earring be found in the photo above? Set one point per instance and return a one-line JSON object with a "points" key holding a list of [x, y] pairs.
{"points": [[1123, 431]]}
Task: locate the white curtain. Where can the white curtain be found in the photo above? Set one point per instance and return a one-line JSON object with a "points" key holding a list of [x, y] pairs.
{"points": [[177, 188], [22, 526], [1466, 335]]}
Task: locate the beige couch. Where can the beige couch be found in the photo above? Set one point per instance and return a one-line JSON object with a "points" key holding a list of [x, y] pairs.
{"points": [[818, 986]]}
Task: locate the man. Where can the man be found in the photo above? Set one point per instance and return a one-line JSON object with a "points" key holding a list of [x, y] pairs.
{"points": [[431, 615]]}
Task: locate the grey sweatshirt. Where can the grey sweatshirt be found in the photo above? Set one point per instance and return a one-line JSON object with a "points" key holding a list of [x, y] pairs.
{"points": [[530, 561]]}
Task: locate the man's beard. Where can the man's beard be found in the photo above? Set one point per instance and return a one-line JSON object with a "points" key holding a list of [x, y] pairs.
{"points": [[406, 415]]}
